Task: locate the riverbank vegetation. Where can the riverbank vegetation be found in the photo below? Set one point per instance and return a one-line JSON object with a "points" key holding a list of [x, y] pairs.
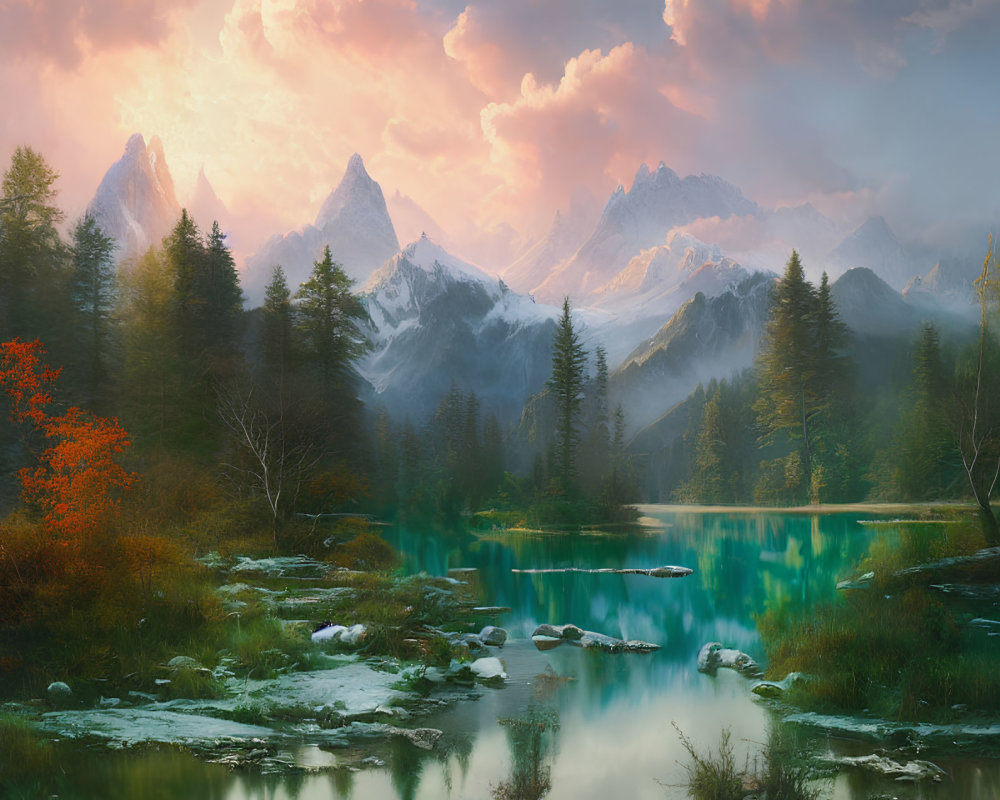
{"points": [[910, 640]]}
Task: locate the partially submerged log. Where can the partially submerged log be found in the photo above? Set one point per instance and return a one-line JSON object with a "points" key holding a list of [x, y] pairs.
{"points": [[653, 572]]}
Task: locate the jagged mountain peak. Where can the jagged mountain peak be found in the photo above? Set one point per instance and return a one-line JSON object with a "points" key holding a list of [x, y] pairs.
{"points": [[353, 220], [135, 202], [427, 256], [356, 192]]}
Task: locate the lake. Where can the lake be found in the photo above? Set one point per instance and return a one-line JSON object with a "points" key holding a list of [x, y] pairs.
{"points": [[596, 725]]}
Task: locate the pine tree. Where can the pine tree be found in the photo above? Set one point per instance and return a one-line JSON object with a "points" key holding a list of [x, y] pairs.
{"points": [[221, 297], [31, 252], [566, 384], [277, 326], [923, 446], [94, 290], [787, 365], [328, 320], [185, 253]]}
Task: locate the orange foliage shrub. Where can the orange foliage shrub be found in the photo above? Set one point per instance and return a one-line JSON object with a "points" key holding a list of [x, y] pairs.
{"points": [[78, 477]]}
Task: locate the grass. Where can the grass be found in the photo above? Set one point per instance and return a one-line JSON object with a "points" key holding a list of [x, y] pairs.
{"points": [[898, 654], [776, 772]]}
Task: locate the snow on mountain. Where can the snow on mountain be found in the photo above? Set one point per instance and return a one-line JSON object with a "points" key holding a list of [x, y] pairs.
{"points": [[640, 218], [653, 285], [353, 221], [135, 202], [438, 319], [875, 246], [566, 234]]}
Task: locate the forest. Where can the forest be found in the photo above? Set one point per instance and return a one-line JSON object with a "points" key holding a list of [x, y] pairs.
{"points": [[151, 418]]}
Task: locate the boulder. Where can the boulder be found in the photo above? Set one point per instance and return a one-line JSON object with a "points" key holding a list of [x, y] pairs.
{"points": [[566, 632], [488, 669], [493, 636], [771, 690], [713, 655], [59, 693], [600, 641], [349, 636], [547, 636], [183, 662]]}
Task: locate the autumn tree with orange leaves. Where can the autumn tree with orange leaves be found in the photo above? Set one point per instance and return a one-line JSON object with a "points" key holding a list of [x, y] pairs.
{"points": [[77, 480]]}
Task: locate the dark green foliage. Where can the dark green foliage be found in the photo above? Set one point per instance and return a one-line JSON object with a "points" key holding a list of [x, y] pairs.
{"points": [[94, 294], [32, 256], [276, 337], [566, 386], [803, 377], [897, 653], [724, 459], [327, 321]]}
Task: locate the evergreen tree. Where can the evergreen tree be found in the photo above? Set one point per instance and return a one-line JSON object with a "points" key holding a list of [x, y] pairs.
{"points": [[221, 297], [94, 290], [31, 253], [185, 254], [566, 384], [328, 323], [598, 442], [277, 326], [794, 379], [923, 445], [328, 320]]}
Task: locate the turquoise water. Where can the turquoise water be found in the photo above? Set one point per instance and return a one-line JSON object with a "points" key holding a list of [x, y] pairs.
{"points": [[608, 729]]}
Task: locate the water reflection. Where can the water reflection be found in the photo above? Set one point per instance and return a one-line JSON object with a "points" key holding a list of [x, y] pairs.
{"points": [[531, 739], [614, 712]]}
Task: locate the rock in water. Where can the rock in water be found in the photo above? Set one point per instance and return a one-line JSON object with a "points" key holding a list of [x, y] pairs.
{"points": [[547, 636], [915, 770], [568, 632], [713, 655], [488, 669], [493, 636]]}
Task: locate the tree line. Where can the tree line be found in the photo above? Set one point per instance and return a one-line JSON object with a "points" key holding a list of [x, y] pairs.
{"points": [[800, 428]]}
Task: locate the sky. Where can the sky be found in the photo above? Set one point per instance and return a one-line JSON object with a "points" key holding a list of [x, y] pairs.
{"points": [[491, 115]]}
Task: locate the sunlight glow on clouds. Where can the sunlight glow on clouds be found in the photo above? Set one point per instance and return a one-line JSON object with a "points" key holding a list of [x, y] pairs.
{"points": [[490, 115]]}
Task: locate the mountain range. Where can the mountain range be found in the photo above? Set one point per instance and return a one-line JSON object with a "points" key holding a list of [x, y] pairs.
{"points": [[670, 308]]}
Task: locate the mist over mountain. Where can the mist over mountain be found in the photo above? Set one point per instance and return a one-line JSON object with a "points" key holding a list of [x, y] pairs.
{"points": [[564, 237], [353, 221], [637, 219], [135, 202], [437, 320], [875, 246], [206, 207]]}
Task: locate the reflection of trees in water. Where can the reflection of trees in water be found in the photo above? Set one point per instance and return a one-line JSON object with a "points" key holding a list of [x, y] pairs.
{"points": [[531, 737]]}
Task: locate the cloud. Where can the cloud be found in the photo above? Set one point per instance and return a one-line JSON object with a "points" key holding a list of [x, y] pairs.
{"points": [[499, 43], [65, 33], [489, 115]]}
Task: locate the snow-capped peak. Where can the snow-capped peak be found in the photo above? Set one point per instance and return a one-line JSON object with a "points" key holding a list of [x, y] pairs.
{"points": [[356, 189], [430, 257], [135, 202]]}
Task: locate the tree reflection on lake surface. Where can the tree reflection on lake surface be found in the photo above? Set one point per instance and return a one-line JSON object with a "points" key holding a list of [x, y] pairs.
{"points": [[572, 723]]}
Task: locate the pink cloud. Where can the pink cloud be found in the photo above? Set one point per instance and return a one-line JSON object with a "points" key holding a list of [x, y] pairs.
{"points": [[65, 33]]}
